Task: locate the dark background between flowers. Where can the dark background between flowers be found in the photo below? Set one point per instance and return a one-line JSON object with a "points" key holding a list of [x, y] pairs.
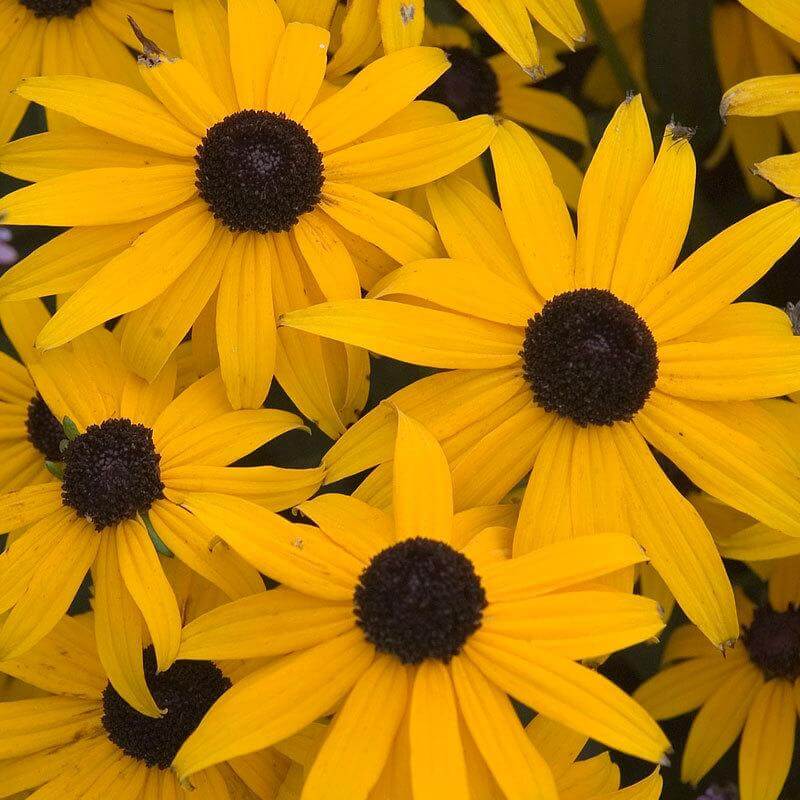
{"points": [[683, 81]]}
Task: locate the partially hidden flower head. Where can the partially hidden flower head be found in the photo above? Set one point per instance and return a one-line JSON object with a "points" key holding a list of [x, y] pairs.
{"points": [[240, 187], [76, 738], [412, 628], [570, 353], [395, 24], [78, 37], [126, 454], [751, 693], [592, 778]]}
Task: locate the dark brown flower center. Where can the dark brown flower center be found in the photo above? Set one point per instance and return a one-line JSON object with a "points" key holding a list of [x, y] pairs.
{"points": [[419, 599], [259, 171], [185, 691], [469, 87], [111, 472], [773, 642], [590, 357], [55, 8], [45, 432]]}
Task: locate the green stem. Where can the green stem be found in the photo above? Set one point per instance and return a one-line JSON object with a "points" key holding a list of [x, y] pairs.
{"points": [[608, 44]]}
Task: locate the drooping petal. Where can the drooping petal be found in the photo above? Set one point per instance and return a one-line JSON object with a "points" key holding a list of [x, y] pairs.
{"points": [[272, 704]]}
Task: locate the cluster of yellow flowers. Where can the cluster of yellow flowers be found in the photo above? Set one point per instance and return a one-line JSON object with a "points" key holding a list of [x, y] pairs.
{"points": [[274, 190]]}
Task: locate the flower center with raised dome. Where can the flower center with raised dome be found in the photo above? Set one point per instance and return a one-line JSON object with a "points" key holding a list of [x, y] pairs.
{"points": [[55, 8], [111, 472], [773, 642], [590, 357], [259, 171], [419, 599], [469, 87], [44, 430], [185, 692]]}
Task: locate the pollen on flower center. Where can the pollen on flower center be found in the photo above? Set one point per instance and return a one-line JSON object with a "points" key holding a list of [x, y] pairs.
{"points": [[419, 599], [44, 430], [185, 692], [773, 642], [590, 357], [55, 8], [259, 171], [111, 472], [469, 87]]}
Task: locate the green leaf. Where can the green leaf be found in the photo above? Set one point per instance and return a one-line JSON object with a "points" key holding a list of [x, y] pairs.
{"points": [[154, 537], [70, 429], [681, 69], [55, 468]]}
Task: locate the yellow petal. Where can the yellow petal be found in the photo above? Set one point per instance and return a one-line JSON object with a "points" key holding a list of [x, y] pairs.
{"points": [[104, 196], [783, 172], [720, 271], [567, 692], [144, 578], [719, 723], [46, 600], [272, 704], [783, 15], [438, 768], [741, 368], [618, 170], [544, 111], [255, 27], [135, 276], [659, 219], [362, 733], [472, 227], [266, 624], [423, 489], [402, 23], [765, 753], [112, 108], [360, 37], [729, 450], [520, 772], [355, 526], [116, 613], [202, 29], [410, 159], [246, 322], [298, 71], [395, 229], [534, 210], [676, 540], [510, 26], [377, 92], [561, 17], [299, 556], [143, 402], [762, 97], [409, 333], [29, 504]]}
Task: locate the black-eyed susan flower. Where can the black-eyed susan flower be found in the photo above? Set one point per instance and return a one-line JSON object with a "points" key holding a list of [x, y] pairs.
{"points": [[129, 452], [30, 433], [754, 691], [237, 188], [79, 739], [76, 37], [407, 624], [570, 353], [396, 24], [744, 48]]}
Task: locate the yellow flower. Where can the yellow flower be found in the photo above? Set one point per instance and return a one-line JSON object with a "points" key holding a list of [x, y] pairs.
{"points": [[569, 354], [744, 47], [79, 37], [594, 778], [132, 453], [30, 433], [234, 188], [79, 739], [408, 622], [396, 24], [754, 691]]}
